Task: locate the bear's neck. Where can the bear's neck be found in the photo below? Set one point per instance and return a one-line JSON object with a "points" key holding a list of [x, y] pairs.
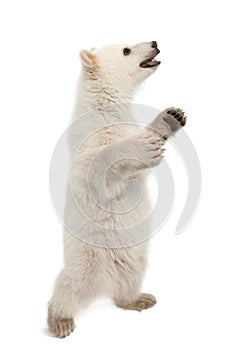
{"points": [[95, 94]]}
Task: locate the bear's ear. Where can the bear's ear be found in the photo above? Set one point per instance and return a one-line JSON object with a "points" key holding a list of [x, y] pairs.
{"points": [[88, 61]]}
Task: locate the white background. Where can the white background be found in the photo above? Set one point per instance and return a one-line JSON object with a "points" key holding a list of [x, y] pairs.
{"points": [[201, 278]]}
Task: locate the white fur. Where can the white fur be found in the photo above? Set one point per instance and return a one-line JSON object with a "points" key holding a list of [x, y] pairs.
{"points": [[107, 81]]}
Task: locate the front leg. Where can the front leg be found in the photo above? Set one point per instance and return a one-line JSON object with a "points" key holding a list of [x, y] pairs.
{"points": [[120, 161], [147, 147]]}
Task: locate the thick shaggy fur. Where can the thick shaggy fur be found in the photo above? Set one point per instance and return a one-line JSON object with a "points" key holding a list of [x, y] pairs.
{"points": [[106, 261]]}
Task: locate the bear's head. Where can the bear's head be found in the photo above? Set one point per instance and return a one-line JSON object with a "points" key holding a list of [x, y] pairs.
{"points": [[121, 66]]}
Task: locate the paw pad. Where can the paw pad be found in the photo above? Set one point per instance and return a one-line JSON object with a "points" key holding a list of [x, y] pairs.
{"points": [[174, 116]]}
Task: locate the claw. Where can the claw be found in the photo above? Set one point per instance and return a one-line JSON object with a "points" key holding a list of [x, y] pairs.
{"points": [[183, 122]]}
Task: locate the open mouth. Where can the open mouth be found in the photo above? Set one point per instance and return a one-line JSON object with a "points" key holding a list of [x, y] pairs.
{"points": [[150, 61]]}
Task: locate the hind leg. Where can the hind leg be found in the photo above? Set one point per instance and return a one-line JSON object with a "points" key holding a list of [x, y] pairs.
{"points": [[70, 294], [127, 294]]}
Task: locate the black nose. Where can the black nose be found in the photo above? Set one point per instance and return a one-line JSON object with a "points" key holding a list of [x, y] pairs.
{"points": [[154, 44]]}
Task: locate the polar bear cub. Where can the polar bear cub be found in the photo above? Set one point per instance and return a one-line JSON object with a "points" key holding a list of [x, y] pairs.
{"points": [[105, 228]]}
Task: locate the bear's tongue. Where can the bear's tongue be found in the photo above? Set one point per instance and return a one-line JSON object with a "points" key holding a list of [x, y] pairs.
{"points": [[149, 63]]}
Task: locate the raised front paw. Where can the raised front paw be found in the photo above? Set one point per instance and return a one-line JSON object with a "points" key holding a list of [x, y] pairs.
{"points": [[175, 118], [168, 122]]}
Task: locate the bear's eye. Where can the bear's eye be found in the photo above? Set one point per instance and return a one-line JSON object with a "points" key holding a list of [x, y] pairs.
{"points": [[126, 51]]}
